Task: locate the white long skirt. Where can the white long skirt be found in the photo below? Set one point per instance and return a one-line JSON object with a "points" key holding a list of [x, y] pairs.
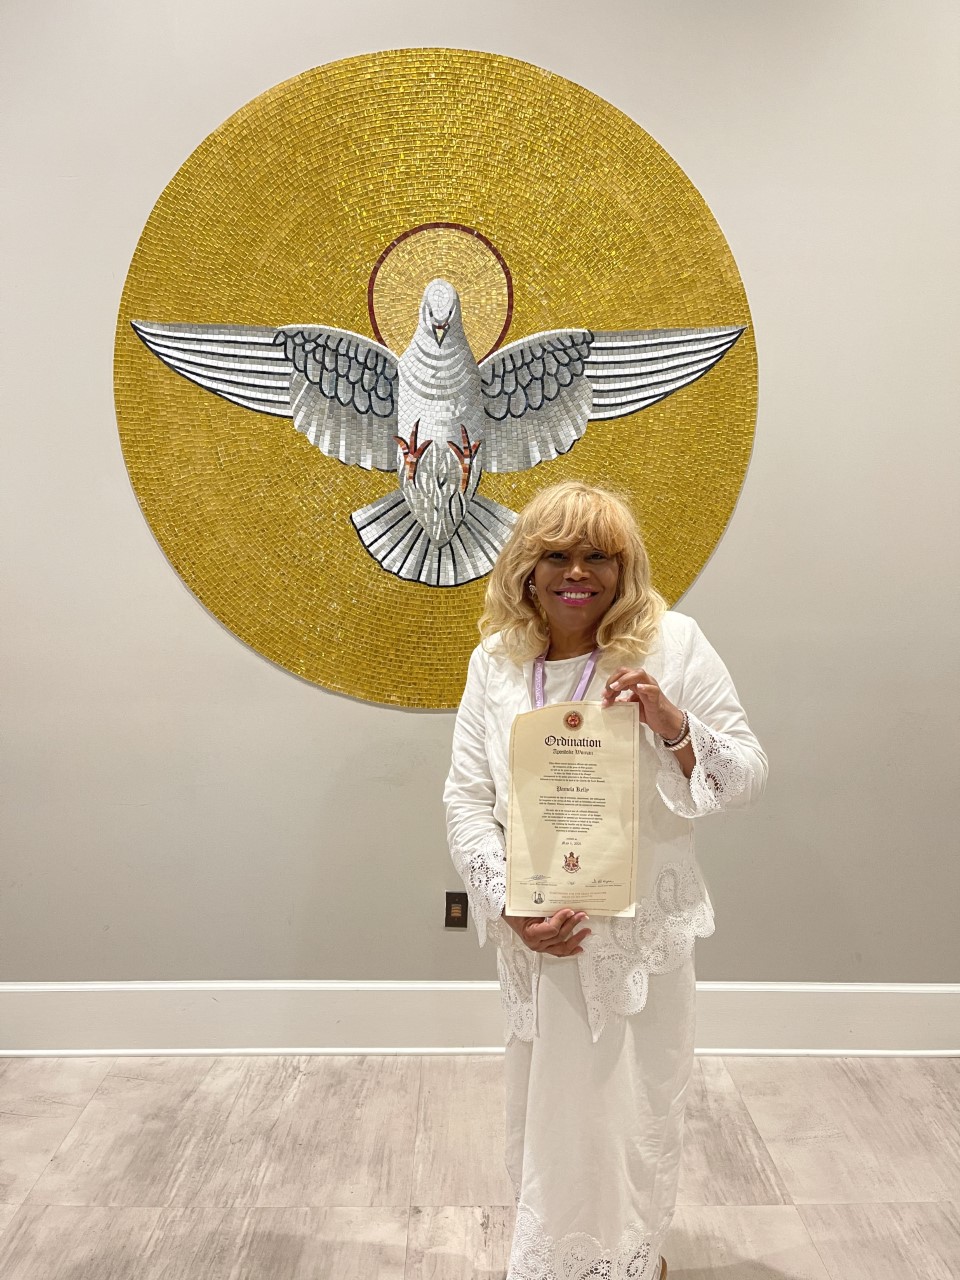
{"points": [[594, 1131]]}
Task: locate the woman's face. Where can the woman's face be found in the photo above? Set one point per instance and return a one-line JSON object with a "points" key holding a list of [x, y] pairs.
{"points": [[575, 587]]}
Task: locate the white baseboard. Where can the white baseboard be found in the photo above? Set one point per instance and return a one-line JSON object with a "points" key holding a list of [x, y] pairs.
{"points": [[116, 1018]]}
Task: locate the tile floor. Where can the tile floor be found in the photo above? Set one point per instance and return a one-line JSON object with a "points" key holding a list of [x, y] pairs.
{"points": [[390, 1168]]}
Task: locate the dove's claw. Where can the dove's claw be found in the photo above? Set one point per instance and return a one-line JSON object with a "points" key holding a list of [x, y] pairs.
{"points": [[412, 452], [466, 456]]}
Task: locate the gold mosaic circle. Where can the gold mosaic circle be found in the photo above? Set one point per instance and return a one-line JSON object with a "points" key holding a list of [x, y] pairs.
{"points": [[281, 216]]}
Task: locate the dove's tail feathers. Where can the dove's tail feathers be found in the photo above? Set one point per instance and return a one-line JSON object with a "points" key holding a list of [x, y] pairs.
{"points": [[397, 542]]}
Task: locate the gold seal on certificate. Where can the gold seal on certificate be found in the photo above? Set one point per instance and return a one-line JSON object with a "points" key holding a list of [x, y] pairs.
{"points": [[572, 838]]}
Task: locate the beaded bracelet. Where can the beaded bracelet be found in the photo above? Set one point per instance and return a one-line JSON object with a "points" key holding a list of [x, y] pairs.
{"points": [[678, 743]]}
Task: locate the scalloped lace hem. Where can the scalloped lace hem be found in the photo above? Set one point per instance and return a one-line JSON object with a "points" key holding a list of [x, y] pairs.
{"points": [[615, 973], [617, 961], [535, 1255]]}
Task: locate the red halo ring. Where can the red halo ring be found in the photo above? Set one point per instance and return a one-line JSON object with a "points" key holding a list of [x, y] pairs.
{"points": [[443, 226]]}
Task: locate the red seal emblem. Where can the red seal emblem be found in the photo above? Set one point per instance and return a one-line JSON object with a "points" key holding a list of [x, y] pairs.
{"points": [[573, 719]]}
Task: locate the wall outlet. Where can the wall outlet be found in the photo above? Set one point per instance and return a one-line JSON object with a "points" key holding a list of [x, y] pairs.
{"points": [[456, 916]]}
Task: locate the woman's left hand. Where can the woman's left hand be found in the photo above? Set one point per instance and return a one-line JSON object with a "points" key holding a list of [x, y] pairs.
{"points": [[656, 709]]}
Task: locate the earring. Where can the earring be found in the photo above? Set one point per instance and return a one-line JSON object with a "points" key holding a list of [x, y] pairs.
{"points": [[531, 588]]}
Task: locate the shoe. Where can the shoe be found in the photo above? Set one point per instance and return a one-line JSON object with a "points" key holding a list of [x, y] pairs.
{"points": [[663, 1267]]}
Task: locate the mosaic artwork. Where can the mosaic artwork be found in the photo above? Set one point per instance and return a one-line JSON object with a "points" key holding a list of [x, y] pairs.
{"points": [[380, 302], [357, 402]]}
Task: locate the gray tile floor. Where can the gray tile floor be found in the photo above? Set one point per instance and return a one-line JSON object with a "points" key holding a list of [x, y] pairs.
{"points": [[309, 1168]]}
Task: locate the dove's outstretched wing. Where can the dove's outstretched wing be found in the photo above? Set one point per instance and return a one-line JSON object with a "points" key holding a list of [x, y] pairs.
{"points": [[339, 388], [541, 391]]}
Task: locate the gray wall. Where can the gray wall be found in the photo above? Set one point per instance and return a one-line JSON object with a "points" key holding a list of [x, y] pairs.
{"points": [[176, 807]]}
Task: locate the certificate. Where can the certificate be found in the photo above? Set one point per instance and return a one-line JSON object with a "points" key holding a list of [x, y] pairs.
{"points": [[572, 823]]}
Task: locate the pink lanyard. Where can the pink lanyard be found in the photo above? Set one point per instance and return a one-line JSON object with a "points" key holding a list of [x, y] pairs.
{"points": [[581, 688]]}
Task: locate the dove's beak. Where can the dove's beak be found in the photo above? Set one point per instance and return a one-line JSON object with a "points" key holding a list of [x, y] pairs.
{"points": [[439, 332]]}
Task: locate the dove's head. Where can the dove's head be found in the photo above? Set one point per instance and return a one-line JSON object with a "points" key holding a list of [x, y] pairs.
{"points": [[439, 309]]}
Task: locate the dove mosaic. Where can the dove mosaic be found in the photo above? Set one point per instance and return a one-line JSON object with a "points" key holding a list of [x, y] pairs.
{"points": [[471, 320], [434, 415]]}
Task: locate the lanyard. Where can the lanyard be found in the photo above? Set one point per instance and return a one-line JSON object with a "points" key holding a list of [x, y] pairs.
{"points": [[581, 688]]}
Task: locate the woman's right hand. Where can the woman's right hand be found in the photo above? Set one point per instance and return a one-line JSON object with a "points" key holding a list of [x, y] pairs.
{"points": [[554, 935]]}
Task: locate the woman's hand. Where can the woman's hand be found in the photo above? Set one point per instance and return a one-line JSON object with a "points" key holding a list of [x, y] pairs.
{"points": [[554, 935], [654, 706]]}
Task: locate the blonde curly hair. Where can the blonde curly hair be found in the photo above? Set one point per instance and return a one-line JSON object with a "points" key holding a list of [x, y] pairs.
{"points": [[562, 516]]}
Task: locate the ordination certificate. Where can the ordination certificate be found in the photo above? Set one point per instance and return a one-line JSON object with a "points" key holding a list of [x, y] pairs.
{"points": [[572, 838]]}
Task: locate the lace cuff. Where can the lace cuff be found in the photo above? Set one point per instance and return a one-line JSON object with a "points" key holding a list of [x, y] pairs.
{"points": [[483, 870], [720, 773]]}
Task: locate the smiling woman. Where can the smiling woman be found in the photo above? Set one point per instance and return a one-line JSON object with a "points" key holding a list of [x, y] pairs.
{"points": [[599, 1051], [570, 540], [574, 587]]}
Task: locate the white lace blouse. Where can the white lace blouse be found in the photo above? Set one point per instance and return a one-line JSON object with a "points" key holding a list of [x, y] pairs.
{"points": [[674, 907]]}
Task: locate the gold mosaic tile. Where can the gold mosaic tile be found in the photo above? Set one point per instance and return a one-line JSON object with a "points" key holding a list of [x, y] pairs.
{"points": [[331, 199]]}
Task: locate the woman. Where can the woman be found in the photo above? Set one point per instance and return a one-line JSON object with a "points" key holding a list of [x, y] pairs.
{"points": [[600, 1013]]}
